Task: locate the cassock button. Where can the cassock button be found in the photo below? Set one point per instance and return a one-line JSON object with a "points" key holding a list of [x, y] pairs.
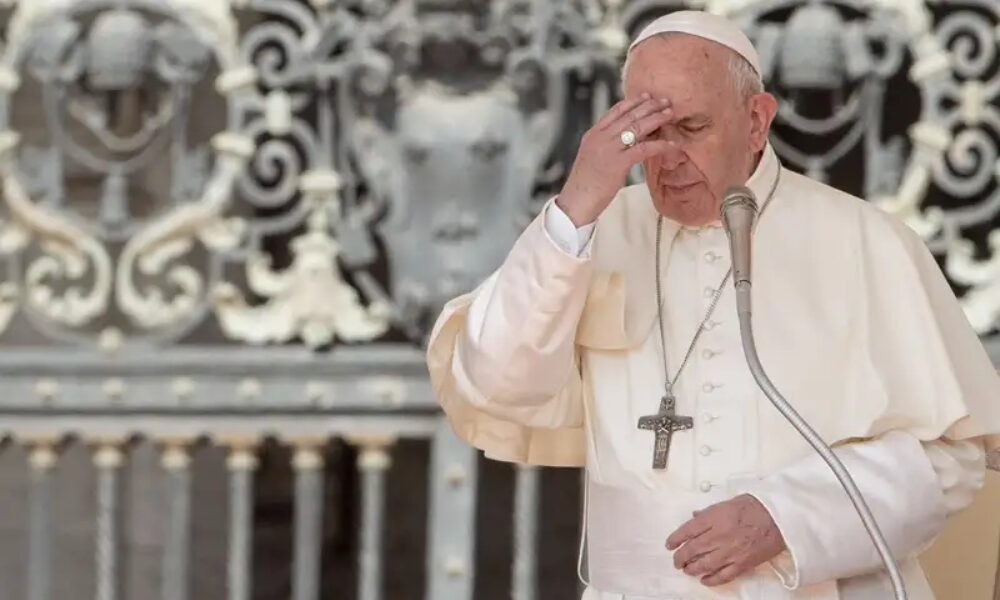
{"points": [[704, 450], [705, 486], [707, 354], [708, 417], [711, 257], [709, 292], [710, 324], [707, 388]]}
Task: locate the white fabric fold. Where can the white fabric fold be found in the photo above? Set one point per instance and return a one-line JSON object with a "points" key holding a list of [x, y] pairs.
{"points": [[909, 494], [543, 289]]}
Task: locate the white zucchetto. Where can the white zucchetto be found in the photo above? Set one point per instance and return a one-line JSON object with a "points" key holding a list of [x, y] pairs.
{"points": [[704, 25]]}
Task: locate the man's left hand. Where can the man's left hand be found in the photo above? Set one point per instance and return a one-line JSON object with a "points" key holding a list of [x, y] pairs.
{"points": [[726, 540]]}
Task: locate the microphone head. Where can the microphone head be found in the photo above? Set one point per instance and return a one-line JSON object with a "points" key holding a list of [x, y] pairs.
{"points": [[739, 196], [739, 209], [738, 203]]}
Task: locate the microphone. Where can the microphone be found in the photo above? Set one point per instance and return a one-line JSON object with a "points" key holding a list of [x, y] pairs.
{"points": [[739, 210]]}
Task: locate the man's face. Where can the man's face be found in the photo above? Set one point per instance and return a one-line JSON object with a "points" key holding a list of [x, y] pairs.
{"points": [[715, 134]]}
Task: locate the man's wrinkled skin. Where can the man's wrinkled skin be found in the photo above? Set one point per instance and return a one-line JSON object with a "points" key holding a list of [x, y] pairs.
{"points": [[726, 540], [715, 137]]}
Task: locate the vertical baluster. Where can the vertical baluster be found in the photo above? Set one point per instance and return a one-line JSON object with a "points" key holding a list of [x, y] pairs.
{"points": [[308, 463], [373, 461], [525, 532], [41, 460], [108, 459], [177, 462], [241, 465], [452, 525]]}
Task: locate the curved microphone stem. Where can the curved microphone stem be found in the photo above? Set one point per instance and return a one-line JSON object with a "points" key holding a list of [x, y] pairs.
{"points": [[757, 369]]}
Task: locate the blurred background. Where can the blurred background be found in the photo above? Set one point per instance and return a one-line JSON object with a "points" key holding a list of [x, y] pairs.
{"points": [[226, 227]]}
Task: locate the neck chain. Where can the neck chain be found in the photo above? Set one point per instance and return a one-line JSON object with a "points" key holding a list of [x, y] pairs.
{"points": [[668, 382]]}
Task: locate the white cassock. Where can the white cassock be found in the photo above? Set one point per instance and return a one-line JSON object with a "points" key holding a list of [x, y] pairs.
{"points": [[556, 356]]}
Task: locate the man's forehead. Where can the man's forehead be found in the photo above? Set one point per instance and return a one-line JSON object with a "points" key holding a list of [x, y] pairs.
{"points": [[679, 51], [681, 70]]}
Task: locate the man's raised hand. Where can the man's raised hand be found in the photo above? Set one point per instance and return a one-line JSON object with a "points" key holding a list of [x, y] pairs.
{"points": [[603, 161]]}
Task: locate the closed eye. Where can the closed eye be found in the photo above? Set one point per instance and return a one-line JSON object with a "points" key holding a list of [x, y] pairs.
{"points": [[694, 123]]}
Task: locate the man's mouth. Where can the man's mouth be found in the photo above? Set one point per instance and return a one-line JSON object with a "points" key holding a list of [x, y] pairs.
{"points": [[679, 187]]}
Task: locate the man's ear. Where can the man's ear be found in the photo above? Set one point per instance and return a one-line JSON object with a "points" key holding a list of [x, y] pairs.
{"points": [[763, 108]]}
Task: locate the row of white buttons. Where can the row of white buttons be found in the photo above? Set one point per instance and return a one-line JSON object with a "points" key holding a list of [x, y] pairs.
{"points": [[710, 257]]}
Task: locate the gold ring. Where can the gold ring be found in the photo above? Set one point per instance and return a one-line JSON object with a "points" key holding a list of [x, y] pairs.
{"points": [[628, 138]]}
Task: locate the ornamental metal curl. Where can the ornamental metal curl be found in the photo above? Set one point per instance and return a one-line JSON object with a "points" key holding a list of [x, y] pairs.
{"points": [[371, 160]]}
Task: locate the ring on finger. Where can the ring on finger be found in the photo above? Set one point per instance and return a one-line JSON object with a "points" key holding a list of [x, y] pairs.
{"points": [[629, 138]]}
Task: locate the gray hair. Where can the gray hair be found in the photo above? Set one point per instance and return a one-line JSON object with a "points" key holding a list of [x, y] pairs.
{"points": [[746, 81]]}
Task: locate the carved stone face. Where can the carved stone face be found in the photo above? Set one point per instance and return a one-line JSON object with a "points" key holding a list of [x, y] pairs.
{"points": [[458, 172], [117, 78]]}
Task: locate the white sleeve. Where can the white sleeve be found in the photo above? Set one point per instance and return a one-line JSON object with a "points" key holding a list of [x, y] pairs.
{"points": [[910, 487], [572, 239], [516, 357]]}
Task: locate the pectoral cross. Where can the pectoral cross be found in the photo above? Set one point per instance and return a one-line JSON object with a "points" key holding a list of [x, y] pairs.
{"points": [[664, 423]]}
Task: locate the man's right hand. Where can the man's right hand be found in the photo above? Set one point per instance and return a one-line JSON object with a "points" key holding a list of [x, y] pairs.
{"points": [[603, 162]]}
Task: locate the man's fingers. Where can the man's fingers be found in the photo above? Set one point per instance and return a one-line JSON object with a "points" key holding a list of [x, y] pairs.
{"points": [[723, 576], [706, 563], [648, 148], [691, 550], [619, 109], [687, 531], [631, 118], [697, 550], [651, 123]]}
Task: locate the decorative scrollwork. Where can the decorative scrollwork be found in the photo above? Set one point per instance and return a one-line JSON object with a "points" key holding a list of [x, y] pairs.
{"points": [[373, 159], [309, 300], [155, 249]]}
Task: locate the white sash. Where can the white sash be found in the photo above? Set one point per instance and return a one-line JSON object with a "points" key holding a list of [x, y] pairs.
{"points": [[626, 532]]}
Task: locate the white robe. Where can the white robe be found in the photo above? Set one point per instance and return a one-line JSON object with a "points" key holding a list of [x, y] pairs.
{"points": [[557, 355]]}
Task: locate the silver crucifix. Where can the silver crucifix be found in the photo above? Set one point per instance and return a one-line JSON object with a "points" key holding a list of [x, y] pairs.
{"points": [[664, 423]]}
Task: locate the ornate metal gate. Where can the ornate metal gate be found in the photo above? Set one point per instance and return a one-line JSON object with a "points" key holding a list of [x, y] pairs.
{"points": [[228, 221]]}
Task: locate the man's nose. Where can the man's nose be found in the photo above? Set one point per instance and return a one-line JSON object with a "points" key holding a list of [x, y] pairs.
{"points": [[673, 157]]}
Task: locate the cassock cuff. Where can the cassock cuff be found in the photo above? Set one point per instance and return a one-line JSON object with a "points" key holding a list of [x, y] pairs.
{"points": [[824, 535], [569, 238], [785, 565], [785, 568]]}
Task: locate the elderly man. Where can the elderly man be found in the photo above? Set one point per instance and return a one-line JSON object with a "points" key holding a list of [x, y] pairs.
{"points": [[614, 309]]}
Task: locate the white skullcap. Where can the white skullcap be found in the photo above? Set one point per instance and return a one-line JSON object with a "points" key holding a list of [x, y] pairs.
{"points": [[704, 25]]}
